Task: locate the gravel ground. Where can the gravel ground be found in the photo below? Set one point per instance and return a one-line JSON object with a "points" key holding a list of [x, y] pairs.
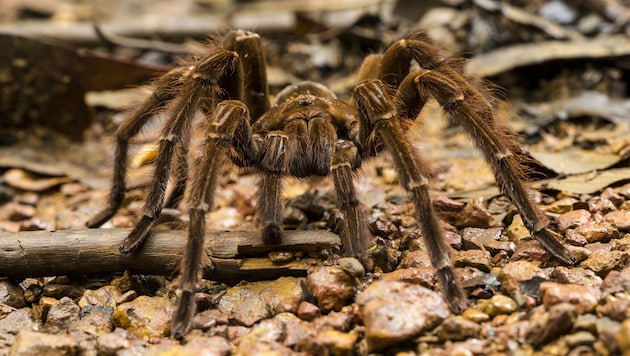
{"points": [[521, 301]]}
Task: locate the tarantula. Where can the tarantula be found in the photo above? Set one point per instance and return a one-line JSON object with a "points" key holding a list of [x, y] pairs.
{"points": [[306, 132]]}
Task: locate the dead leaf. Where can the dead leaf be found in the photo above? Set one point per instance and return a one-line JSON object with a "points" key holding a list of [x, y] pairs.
{"points": [[18, 178], [576, 160]]}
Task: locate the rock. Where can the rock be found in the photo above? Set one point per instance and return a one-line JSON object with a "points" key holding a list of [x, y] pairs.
{"points": [[308, 311], [11, 295], [607, 333], [208, 319], [423, 276], [62, 313], [145, 316], [29, 343], [576, 275], [616, 282], [106, 296], [97, 321], [615, 308], [515, 272], [352, 267], [575, 239], [279, 333], [341, 320], [530, 250], [552, 324], [203, 345], [474, 214], [561, 206], [480, 259], [622, 337], [517, 231], [573, 219], [332, 287], [594, 231], [280, 257], [585, 298], [487, 239], [458, 328], [336, 342], [603, 262], [112, 343], [416, 259], [13, 323], [580, 338], [248, 303], [396, 311], [43, 307], [475, 315], [619, 219], [384, 228], [60, 290], [498, 304]]}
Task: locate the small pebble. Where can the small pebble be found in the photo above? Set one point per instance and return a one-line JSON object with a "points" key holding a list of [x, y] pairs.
{"points": [[458, 328], [475, 315], [619, 219], [498, 304], [396, 311], [603, 262], [585, 298], [622, 337], [28, 343], [573, 219], [145, 316], [62, 313], [331, 286], [11, 295], [280, 257]]}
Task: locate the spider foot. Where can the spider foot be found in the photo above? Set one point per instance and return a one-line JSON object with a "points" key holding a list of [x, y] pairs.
{"points": [[453, 291], [551, 242], [272, 235], [137, 236], [100, 218], [183, 317]]}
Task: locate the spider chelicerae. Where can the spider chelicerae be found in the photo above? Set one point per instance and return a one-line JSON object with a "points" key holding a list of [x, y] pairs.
{"points": [[307, 132]]}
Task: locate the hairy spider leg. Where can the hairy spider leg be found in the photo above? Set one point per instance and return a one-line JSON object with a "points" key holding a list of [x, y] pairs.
{"points": [[273, 162], [256, 90], [378, 111], [355, 233], [205, 87], [166, 89], [474, 112], [228, 117], [495, 147]]}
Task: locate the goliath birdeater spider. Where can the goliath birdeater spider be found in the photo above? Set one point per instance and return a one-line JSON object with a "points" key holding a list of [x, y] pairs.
{"points": [[306, 132]]}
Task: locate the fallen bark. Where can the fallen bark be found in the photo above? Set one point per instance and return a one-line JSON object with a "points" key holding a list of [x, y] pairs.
{"points": [[236, 255], [508, 58]]}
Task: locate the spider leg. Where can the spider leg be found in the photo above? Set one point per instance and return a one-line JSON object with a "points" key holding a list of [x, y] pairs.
{"points": [[181, 175], [165, 91], [345, 159], [377, 107], [273, 162], [225, 121], [206, 86], [497, 148], [249, 48]]}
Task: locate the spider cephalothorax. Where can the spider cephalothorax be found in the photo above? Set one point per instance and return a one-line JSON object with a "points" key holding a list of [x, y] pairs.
{"points": [[309, 132]]}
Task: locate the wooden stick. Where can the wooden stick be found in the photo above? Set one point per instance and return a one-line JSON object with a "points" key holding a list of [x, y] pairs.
{"points": [[236, 255]]}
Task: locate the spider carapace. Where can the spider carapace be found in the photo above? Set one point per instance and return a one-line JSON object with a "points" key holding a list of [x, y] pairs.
{"points": [[305, 132]]}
